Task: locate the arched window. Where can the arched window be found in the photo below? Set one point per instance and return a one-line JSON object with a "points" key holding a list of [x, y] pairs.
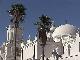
{"points": [[69, 49], [8, 36]]}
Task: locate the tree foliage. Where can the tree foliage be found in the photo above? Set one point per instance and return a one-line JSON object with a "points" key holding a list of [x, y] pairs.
{"points": [[17, 11], [44, 23]]}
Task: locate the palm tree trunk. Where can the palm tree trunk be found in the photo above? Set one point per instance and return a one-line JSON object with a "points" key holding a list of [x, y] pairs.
{"points": [[15, 38], [42, 52]]}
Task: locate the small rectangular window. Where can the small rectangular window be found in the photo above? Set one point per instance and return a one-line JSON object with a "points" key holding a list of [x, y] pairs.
{"points": [[79, 46], [63, 49]]}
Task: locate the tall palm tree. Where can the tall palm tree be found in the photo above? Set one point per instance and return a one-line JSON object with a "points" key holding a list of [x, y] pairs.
{"points": [[44, 25], [17, 12]]}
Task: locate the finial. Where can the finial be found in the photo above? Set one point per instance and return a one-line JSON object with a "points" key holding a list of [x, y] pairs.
{"points": [[66, 21], [29, 37]]}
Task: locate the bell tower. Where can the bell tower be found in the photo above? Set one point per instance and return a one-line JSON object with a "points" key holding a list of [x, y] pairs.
{"points": [[14, 37], [11, 33]]}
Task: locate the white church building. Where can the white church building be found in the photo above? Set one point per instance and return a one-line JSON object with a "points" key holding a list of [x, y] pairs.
{"points": [[63, 43]]}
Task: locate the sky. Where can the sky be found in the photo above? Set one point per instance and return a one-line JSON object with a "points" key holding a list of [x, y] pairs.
{"points": [[58, 10]]}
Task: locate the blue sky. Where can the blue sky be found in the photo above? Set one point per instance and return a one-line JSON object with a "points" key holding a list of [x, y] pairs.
{"points": [[60, 9]]}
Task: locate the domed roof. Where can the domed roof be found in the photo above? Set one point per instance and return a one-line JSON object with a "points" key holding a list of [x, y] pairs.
{"points": [[65, 30]]}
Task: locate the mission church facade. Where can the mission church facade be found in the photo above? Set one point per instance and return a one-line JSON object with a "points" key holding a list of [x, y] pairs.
{"points": [[63, 43]]}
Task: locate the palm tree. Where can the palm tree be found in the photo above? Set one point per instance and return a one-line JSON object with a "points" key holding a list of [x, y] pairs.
{"points": [[44, 25], [17, 12]]}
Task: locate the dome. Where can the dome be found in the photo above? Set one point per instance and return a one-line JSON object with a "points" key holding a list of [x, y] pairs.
{"points": [[65, 30]]}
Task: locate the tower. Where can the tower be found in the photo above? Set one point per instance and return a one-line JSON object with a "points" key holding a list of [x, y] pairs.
{"points": [[10, 45], [11, 33]]}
